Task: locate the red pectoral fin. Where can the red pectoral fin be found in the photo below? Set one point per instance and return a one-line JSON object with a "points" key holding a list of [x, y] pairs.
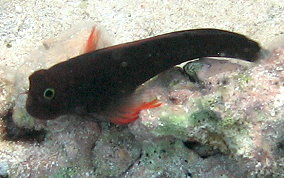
{"points": [[132, 114], [92, 40]]}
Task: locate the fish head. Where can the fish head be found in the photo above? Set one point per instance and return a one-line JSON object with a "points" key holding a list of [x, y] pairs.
{"points": [[46, 96]]}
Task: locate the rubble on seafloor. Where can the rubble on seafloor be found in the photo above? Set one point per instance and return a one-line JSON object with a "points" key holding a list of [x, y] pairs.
{"points": [[239, 113], [227, 123]]}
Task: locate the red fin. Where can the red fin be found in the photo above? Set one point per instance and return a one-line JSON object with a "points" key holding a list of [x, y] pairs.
{"points": [[92, 41], [133, 113]]}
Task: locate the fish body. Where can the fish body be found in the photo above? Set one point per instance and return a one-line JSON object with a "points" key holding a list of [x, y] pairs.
{"points": [[99, 81]]}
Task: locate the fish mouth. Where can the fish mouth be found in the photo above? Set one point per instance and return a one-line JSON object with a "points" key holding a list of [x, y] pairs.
{"points": [[37, 111], [30, 108]]}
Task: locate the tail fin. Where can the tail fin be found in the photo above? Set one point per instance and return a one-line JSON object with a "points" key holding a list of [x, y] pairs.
{"points": [[216, 43]]}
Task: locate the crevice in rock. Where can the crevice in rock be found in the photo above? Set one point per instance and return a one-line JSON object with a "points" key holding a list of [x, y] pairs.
{"points": [[204, 151], [15, 133]]}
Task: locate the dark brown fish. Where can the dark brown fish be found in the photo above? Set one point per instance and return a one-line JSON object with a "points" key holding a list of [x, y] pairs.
{"points": [[98, 81]]}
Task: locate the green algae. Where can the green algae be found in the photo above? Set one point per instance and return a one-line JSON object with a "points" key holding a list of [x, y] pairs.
{"points": [[243, 79], [173, 125], [192, 69], [67, 172], [164, 156], [204, 123], [181, 125], [209, 102], [202, 117], [228, 122]]}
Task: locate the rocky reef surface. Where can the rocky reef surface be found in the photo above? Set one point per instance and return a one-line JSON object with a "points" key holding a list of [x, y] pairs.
{"points": [[217, 119]]}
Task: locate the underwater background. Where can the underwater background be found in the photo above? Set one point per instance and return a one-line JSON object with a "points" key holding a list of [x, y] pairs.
{"points": [[232, 128]]}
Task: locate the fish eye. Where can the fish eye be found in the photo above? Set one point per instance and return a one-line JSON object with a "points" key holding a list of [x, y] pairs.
{"points": [[49, 93]]}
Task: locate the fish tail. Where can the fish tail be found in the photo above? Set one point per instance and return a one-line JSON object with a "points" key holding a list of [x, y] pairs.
{"points": [[154, 55], [214, 43]]}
